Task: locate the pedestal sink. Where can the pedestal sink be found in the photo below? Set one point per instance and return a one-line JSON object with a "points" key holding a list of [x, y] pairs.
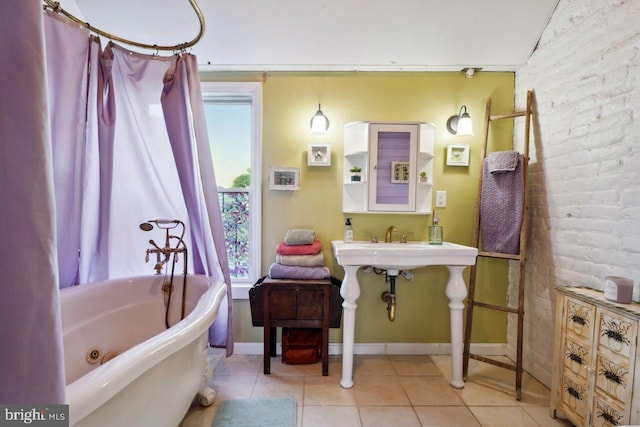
{"points": [[394, 257]]}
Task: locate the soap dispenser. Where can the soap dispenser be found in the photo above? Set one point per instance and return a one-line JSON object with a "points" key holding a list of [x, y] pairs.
{"points": [[348, 231], [435, 231]]}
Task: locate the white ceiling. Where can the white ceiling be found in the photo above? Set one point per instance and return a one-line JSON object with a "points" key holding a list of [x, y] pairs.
{"points": [[340, 35]]}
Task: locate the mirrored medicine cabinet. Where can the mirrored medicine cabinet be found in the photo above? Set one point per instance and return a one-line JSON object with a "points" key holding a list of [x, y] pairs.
{"points": [[388, 168]]}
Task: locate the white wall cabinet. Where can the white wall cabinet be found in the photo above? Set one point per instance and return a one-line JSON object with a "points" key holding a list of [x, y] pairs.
{"points": [[391, 157], [595, 359]]}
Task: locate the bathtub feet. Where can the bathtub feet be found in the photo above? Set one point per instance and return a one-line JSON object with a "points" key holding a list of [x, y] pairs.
{"points": [[206, 396]]}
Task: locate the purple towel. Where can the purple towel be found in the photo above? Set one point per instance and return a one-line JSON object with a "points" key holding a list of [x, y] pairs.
{"points": [[501, 207], [279, 271], [503, 161]]}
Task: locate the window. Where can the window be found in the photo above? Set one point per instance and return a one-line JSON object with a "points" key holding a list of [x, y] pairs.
{"points": [[233, 114]]}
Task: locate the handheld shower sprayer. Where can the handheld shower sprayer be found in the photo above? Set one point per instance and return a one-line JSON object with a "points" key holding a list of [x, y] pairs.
{"points": [[145, 226]]}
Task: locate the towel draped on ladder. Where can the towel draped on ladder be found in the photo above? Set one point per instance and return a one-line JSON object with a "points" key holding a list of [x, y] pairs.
{"points": [[502, 202]]}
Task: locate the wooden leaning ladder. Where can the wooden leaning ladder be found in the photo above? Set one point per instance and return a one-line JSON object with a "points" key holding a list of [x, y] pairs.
{"points": [[471, 302]]}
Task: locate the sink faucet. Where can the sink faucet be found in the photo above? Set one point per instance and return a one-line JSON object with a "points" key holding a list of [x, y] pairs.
{"points": [[403, 239], [374, 238], [388, 238]]}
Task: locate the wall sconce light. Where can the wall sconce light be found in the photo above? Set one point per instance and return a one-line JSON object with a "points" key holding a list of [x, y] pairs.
{"points": [[319, 122], [460, 124]]}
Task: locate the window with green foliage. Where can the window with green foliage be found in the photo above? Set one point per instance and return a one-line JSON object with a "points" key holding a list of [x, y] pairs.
{"points": [[230, 111]]}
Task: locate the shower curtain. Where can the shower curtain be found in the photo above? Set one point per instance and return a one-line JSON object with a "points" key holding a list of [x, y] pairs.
{"points": [[31, 362], [128, 144]]}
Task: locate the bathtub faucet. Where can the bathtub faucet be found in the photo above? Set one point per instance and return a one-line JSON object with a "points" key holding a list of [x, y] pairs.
{"points": [[163, 254]]}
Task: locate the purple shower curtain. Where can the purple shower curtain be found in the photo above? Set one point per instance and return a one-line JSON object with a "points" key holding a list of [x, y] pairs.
{"points": [[154, 162], [67, 78], [31, 358], [107, 166], [184, 115]]}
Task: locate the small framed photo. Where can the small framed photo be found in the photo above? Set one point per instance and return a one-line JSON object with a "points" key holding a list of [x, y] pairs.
{"points": [[457, 155], [400, 172], [319, 155], [284, 178]]}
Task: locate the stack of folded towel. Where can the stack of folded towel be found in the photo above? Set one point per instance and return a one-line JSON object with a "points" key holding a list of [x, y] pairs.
{"points": [[299, 256]]}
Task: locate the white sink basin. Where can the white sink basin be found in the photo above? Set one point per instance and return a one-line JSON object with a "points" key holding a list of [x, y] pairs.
{"points": [[402, 256]]}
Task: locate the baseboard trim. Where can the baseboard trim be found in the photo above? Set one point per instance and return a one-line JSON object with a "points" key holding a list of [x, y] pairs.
{"points": [[486, 349]]}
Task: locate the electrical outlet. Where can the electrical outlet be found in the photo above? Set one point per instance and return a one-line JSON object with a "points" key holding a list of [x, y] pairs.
{"points": [[441, 199]]}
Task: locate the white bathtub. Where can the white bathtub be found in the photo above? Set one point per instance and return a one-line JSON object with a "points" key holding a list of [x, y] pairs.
{"points": [[156, 372]]}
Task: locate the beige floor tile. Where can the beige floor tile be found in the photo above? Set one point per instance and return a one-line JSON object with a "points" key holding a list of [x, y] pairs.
{"points": [[271, 386], [385, 416], [335, 367], [541, 415], [311, 369], [445, 416], [413, 365], [493, 372], [239, 364], [534, 393], [232, 386], [486, 394], [278, 367], [327, 391], [323, 416], [215, 356], [478, 369], [372, 365], [393, 390], [493, 391], [443, 363], [430, 390], [502, 416], [380, 390]]}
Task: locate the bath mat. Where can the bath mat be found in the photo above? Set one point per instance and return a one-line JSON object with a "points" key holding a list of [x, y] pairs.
{"points": [[256, 413]]}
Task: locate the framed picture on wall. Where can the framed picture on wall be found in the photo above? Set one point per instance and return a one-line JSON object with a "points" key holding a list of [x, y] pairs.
{"points": [[284, 178], [400, 172], [319, 155], [457, 155]]}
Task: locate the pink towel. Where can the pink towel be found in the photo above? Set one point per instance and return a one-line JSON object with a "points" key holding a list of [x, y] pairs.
{"points": [[312, 249]]}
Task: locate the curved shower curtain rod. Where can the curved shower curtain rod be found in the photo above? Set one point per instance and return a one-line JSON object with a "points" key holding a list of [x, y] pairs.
{"points": [[55, 7]]}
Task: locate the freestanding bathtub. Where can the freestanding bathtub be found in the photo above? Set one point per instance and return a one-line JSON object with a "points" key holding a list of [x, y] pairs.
{"points": [[123, 367]]}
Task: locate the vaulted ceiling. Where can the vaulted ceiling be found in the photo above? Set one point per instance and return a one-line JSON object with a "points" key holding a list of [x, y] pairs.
{"points": [[340, 35]]}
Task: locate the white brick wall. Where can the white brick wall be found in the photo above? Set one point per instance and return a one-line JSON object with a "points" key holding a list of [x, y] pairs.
{"points": [[584, 181]]}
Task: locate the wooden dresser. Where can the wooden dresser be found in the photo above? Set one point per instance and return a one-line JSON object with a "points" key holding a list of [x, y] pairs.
{"points": [[594, 361]]}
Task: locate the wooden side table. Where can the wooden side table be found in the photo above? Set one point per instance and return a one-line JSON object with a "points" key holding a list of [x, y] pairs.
{"points": [[295, 304]]}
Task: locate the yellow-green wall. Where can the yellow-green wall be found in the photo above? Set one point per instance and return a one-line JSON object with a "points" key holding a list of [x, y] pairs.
{"points": [[289, 101]]}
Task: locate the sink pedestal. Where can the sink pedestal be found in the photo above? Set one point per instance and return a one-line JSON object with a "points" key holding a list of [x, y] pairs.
{"points": [[353, 256], [350, 292]]}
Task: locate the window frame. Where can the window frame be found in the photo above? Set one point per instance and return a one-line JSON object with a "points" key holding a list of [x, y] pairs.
{"points": [[240, 288]]}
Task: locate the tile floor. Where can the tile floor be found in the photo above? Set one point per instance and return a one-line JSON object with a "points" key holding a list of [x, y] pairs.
{"points": [[394, 390]]}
